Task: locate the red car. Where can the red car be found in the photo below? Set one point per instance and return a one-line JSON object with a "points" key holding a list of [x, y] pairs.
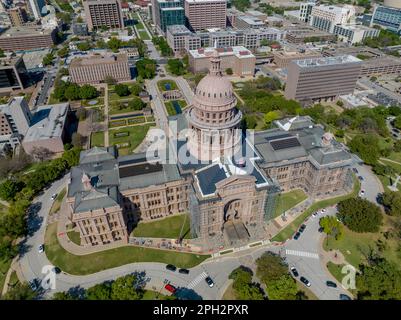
{"points": [[170, 288]]}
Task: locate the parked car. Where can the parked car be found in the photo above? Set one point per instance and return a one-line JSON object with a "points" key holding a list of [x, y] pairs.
{"points": [[323, 211], [315, 214], [360, 178], [41, 248], [305, 281], [320, 229], [56, 270], [297, 235], [355, 170], [183, 271], [344, 297], [34, 285], [331, 284], [302, 228], [294, 272], [171, 267], [209, 282], [170, 287], [54, 196], [362, 193]]}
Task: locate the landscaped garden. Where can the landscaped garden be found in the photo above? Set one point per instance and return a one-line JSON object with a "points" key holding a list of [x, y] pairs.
{"points": [[175, 106], [128, 138], [58, 201], [169, 228], [289, 200], [95, 262], [97, 139], [165, 85]]}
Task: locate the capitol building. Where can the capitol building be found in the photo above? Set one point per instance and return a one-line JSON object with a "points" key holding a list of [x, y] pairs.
{"points": [[230, 185]]}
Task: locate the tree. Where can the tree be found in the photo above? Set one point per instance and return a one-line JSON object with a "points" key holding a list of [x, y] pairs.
{"points": [[243, 286], [331, 227], [136, 104], [2, 55], [122, 90], [367, 147], [48, 59], [146, 68], [270, 266], [8, 189], [7, 249], [360, 215], [114, 44], [110, 80], [176, 67], [241, 5], [229, 71], [392, 202], [63, 296], [283, 288], [397, 146], [397, 122], [73, 92], [379, 281], [124, 289], [63, 52], [20, 292], [383, 170], [77, 140], [271, 116], [99, 292], [83, 46], [135, 89], [87, 92]]}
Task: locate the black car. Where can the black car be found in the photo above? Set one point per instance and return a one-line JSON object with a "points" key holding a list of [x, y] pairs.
{"points": [[331, 284], [305, 281], [183, 271], [355, 170], [171, 267], [344, 297], [360, 178], [321, 229], [57, 270], [209, 281], [297, 235], [294, 272], [302, 228]]}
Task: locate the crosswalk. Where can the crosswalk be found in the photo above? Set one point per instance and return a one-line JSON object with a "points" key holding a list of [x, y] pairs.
{"points": [[302, 254], [197, 280]]}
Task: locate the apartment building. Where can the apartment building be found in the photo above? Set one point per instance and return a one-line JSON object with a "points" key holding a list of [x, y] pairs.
{"points": [[27, 38], [238, 58], [205, 14], [325, 17], [103, 13], [319, 79], [95, 68]]}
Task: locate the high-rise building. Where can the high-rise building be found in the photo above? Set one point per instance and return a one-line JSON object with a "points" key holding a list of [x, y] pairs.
{"points": [[205, 14], [318, 79], [305, 10], [36, 8], [326, 17], [26, 38], [387, 17], [103, 13], [17, 16], [167, 13]]}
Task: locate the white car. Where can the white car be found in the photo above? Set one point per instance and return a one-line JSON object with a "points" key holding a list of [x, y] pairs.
{"points": [[362, 193], [41, 248], [323, 211], [54, 196], [315, 214]]}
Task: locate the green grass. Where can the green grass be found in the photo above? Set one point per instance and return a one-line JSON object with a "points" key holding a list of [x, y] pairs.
{"points": [[97, 139], [143, 34], [13, 279], [288, 231], [136, 136], [289, 200], [396, 156], [153, 295], [74, 237], [395, 166], [57, 202], [169, 227], [170, 108], [161, 85], [335, 270], [4, 266], [95, 262]]}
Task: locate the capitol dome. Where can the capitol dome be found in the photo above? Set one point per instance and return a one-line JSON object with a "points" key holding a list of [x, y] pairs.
{"points": [[213, 116]]}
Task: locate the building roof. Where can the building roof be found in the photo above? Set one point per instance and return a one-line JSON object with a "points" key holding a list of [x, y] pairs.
{"points": [[47, 122], [238, 51], [21, 31], [327, 61], [96, 59]]}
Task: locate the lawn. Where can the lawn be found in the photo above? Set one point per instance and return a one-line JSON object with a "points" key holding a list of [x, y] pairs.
{"points": [[288, 231], [396, 156], [143, 34], [4, 266], [289, 200], [13, 279], [97, 139], [335, 270], [162, 85], [121, 107], [135, 137], [153, 295], [74, 237], [169, 227], [95, 262], [395, 166], [57, 203], [170, 108]]}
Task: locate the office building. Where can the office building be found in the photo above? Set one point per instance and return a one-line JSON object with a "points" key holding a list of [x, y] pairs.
{"points": [[36, 7], [326, 17], [48, 129], [322, 79], [387, 17], [180, 39], [308, 34], [248, 22], [305, 10], [18, 16], [103, 13], [95, 68], [205, 14], [239, 59], [15, 117], [27, 38], [352, 34], [13, 74], [283, 58], [167, 13]]}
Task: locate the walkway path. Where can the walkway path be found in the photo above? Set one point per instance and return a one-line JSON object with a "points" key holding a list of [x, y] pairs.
{"points": [[106, 114], [8, 276]]}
